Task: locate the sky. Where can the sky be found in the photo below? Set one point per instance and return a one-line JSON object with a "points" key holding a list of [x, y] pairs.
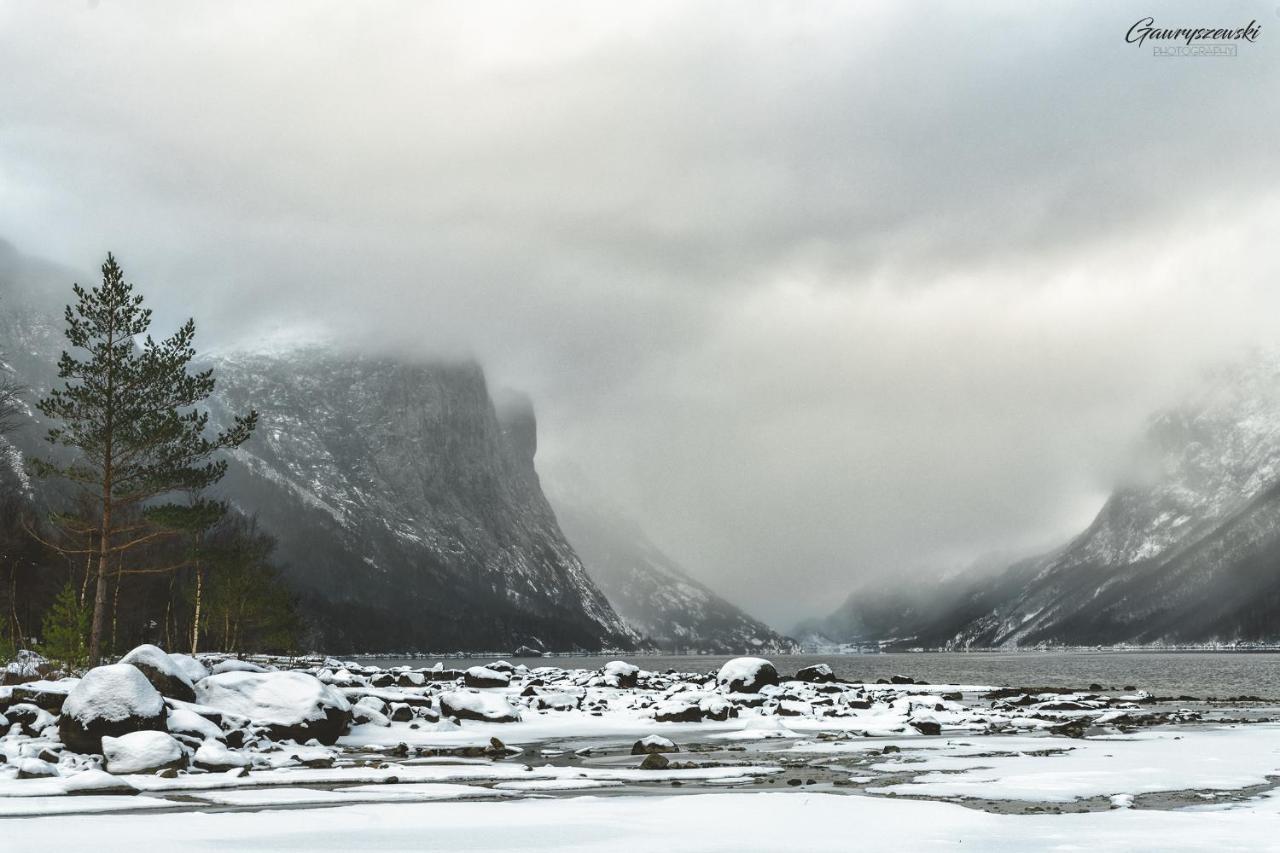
{"points": [[825, 295]]}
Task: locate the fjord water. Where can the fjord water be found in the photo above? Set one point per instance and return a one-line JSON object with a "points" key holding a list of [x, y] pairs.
{"points": [[1198, 674]]}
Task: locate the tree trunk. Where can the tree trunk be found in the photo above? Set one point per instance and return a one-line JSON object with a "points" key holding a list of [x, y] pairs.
{"points": [[195, 626], [115, 612], [100, 597]]}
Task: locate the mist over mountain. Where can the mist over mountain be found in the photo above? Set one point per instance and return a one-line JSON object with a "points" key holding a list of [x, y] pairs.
{"points": [[1185, 550], [650, 590]]}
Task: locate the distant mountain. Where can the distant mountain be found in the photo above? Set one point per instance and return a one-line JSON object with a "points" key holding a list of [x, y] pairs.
{"points": [[1187, 551], [654, 594], [408, 511]]}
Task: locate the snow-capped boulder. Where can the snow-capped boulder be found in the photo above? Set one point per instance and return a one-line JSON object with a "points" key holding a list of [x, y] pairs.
{"points": [[32, 719], [189, 666], [142, 752], [483, 676], [289, 705], [651, 744], [233, 665], [819, 673], [677, 711], [216, 758], [746, 675], [35, 768], [109, 701], [484, 707], [183, 721], [926, 725], [95, 781], [621, 674], [164, 674], [370, 710]]}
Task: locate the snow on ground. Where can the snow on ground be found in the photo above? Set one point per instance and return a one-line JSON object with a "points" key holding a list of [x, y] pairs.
{"points": [[1226, 758], [706, 823]]}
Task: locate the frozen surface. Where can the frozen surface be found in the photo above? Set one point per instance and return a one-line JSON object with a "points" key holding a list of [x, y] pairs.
{"points": [[720, 823]]}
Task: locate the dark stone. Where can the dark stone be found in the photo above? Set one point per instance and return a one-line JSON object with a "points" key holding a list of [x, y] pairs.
{"points": [[926, 727], [817, 674], [901, 679], [641, 748], [49, 698], [686, 714], [326, 730], [87, 738], [654, 761], [890, 749]]}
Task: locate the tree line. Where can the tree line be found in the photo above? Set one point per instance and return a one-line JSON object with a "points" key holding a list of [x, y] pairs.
{"points": [[124, 543]]}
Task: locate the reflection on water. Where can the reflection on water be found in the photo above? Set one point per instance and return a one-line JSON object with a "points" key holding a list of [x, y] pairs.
{"points": [[1198, 674]]}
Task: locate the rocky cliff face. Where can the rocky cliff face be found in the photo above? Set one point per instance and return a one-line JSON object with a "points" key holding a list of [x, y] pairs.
{"points": [[654, 594], [408, 511], [1187, 551]]}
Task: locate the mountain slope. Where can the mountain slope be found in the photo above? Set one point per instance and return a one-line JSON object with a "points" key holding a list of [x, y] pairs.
{"points": [[650, 590]]}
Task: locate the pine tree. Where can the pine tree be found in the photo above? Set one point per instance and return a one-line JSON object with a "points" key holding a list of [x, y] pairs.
{"points": [[65, 627], [130, 414]]}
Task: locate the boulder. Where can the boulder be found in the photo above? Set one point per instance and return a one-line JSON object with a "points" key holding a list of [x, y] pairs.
{"points": [[233, 665], [48, 695], [677, 711], [164, 674], [819, 673], [143, 752], [32, 719], [926, 725], [653, 744], [482, 707], [183, 721], [286, 705], [110, 701], [746, 675], [189, 666], [655, 761], [621, 674], [484, 676], [216, 758], [99, 782]]}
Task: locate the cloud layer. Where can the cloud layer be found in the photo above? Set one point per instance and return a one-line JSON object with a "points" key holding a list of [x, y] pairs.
{"points": [[824, 294]]}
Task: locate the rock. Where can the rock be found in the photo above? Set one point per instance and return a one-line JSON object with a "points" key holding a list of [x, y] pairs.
{"points": [[143, 752], [110, 701], [819, 673], [926, 726], [189, 666], [48, 695], [34, 768], [95, 781], [287, 705], [183, 721], [653, 744], [483, 676], [746, 675], [482, 707], [164, 674], [216, 758], [234, 665], [677, 711], [655, 761], [501, 666], [32, 719], [890, 749], [401, 713], [621, 674], [901, 679]]}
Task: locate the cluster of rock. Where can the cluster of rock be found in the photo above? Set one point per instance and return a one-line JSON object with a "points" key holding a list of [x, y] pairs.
{"points": [[170, 713]]}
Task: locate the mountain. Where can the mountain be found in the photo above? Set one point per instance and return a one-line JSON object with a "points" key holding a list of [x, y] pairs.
{"points": [[1188, 550], [650, 590], [408, 510]]}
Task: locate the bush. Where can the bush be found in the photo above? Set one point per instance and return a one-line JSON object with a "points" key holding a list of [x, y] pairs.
{"points": [[66, 630]]}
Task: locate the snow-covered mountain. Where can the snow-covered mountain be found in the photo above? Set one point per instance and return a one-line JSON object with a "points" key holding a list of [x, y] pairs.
{"points": [[407, 506], [653, 593], [1188, 550]]}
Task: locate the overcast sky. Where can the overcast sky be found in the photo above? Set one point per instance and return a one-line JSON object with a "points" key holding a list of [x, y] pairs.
{"points": [[822, 293]]}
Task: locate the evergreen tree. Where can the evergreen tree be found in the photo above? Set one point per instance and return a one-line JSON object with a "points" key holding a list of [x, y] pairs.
{"points": [[130, 414], [65, 629]]}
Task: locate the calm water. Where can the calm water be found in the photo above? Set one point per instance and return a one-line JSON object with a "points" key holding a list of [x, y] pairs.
{"points": [[1198, 674]]}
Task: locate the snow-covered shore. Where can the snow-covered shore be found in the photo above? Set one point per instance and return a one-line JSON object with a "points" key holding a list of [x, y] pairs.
{"points": [[338, 755]]}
